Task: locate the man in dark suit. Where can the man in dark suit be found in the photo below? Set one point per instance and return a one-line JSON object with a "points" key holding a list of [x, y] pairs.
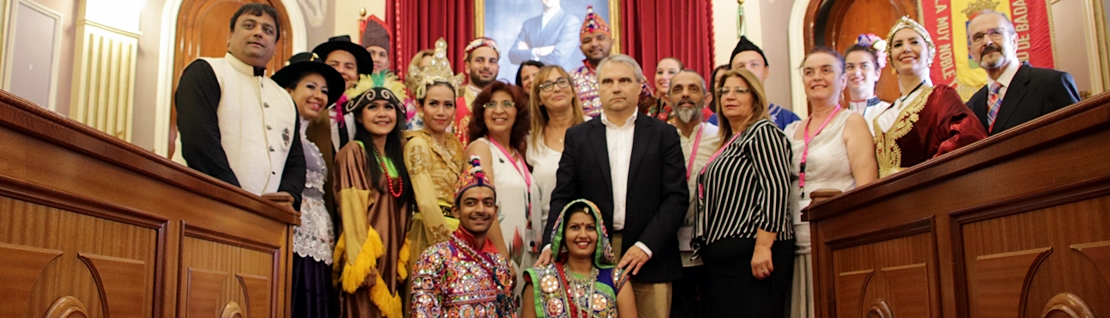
{"points": [[632, 167], [551, 37], [1016, 92]]}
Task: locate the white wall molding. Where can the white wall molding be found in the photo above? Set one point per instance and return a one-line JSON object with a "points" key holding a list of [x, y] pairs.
{"points": [[9, 41], [797, 47]]}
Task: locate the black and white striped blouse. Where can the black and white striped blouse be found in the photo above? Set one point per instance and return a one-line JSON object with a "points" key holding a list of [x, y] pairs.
{"points": [[747, 188]]}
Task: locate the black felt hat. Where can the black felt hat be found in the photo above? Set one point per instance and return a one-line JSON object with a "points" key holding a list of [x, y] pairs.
{"points": [[343, 42], [746, 45], [302, 63]]}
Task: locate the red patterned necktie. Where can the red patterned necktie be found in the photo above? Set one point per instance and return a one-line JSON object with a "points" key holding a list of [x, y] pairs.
{"points": [[994, 102]]}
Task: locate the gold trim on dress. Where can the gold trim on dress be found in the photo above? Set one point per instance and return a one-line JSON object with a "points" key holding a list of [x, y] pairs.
{"points": [[887, 152]]}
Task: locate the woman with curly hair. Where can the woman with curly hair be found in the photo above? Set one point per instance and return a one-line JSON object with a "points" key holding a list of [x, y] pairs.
{"points": [[499, 131]]}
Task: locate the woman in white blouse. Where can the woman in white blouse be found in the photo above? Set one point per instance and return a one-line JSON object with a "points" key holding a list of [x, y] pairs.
{"points": [[555, 107]]}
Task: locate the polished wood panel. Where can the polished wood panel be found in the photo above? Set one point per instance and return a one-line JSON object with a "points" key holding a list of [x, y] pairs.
{"points": [[93, 226], [1011, 226]]}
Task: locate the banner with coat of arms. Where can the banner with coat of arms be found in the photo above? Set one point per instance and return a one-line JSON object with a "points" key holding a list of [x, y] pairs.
{"points": [[947, 21]]}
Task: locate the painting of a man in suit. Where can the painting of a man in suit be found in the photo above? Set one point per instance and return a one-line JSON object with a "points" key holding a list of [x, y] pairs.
{"points": [[551, 37]]}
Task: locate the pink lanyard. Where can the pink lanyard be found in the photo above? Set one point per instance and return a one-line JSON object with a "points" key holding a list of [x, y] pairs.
{"points": [[701, 188], [523, 170], [805, 150], [694, 153], [513, 160]]}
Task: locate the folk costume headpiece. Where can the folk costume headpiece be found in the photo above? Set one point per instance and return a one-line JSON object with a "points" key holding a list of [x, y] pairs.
{"points": [[473, 177], [482, 42], [603, 252], [343, 42], [593, 23], [746, 45], [369, 96], [906, 23], [306, 62], [877, 44], [438, 70], [374, 33]]}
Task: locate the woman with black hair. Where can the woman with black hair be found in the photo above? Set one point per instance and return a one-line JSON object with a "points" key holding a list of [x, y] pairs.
{"points": [[526, 74], [313, 86], [374, 195]]}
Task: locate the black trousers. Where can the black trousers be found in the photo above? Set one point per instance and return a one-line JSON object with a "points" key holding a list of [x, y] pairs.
{"points": [[688, 298], [732, 291]]}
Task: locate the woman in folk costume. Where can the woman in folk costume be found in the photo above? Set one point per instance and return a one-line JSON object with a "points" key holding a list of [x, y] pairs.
{"points": [[864, 63], [583, 281], [926, 121], [374, 193], [313, 86], [433, 155]]}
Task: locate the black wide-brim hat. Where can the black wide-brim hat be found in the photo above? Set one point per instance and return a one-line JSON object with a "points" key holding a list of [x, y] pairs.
{"points": [[302, 63], [343, 42]]}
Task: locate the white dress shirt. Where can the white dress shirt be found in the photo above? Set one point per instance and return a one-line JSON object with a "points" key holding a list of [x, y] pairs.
{"points": [[619, 142], [1004, 79], [349, 122], [706, 147]]}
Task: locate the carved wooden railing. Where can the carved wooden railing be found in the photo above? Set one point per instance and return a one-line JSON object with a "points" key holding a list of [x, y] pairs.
{"points": [[1016, 225], [93, 226]]}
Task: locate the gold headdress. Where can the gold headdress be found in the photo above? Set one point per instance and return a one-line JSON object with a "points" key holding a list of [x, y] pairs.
{"points": [[906, 23], [437, 70]]}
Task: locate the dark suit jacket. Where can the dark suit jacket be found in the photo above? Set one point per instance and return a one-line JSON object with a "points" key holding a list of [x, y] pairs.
{"points": [[657, 195], [561, 31], [1032, 93]]}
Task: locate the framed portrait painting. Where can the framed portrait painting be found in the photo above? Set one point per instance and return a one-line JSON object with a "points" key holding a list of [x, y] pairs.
{"points": [[542, 30]]}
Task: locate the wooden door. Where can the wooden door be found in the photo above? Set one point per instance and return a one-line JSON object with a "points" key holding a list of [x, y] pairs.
{"points": [[202, 31], [837, 23]]}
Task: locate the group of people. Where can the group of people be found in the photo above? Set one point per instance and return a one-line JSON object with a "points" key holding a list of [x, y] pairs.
{"points": [[573, 194]]}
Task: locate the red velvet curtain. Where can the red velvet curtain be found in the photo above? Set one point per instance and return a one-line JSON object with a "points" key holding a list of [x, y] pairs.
{"points": [[655, 29], [416, 24]]}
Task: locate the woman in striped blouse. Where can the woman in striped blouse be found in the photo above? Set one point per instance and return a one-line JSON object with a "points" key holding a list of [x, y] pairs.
{"points": [[743, 229]]}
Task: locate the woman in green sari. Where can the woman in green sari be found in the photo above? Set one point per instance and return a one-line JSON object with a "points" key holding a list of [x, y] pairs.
{"points": [[583, 281]]}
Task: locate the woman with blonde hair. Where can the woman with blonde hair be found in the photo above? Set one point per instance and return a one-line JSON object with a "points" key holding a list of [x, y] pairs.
{"points": [[742, 229], [555, 107]]}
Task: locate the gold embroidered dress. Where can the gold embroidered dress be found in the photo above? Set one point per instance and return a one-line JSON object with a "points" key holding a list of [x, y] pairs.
{"points": [[434, 169]]}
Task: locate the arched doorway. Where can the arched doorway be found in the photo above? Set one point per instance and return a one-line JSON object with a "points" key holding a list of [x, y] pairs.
{"points": [[837, 23], [202, 28]]}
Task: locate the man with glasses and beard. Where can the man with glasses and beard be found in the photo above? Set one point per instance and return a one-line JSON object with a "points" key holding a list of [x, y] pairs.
{"points": [[699, 140], [1015, 92]]}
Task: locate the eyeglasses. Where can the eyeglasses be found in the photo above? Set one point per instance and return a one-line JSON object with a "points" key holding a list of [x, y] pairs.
{"points": [[504, 105], [725, 91], [548, 86], [994, 34]]}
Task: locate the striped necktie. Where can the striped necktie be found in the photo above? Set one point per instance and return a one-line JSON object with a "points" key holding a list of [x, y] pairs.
{"points": [[995, 102]]}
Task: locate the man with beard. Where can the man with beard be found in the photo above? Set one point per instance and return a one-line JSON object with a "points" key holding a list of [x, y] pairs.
{"points": [[465, 276], [699, 140], [596, 42], [1015, 92], [236, 124], [481, 69]]}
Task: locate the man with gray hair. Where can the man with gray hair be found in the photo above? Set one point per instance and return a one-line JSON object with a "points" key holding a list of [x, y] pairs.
{"points": [[688, 94], [631, 166], [1016, 92]]}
